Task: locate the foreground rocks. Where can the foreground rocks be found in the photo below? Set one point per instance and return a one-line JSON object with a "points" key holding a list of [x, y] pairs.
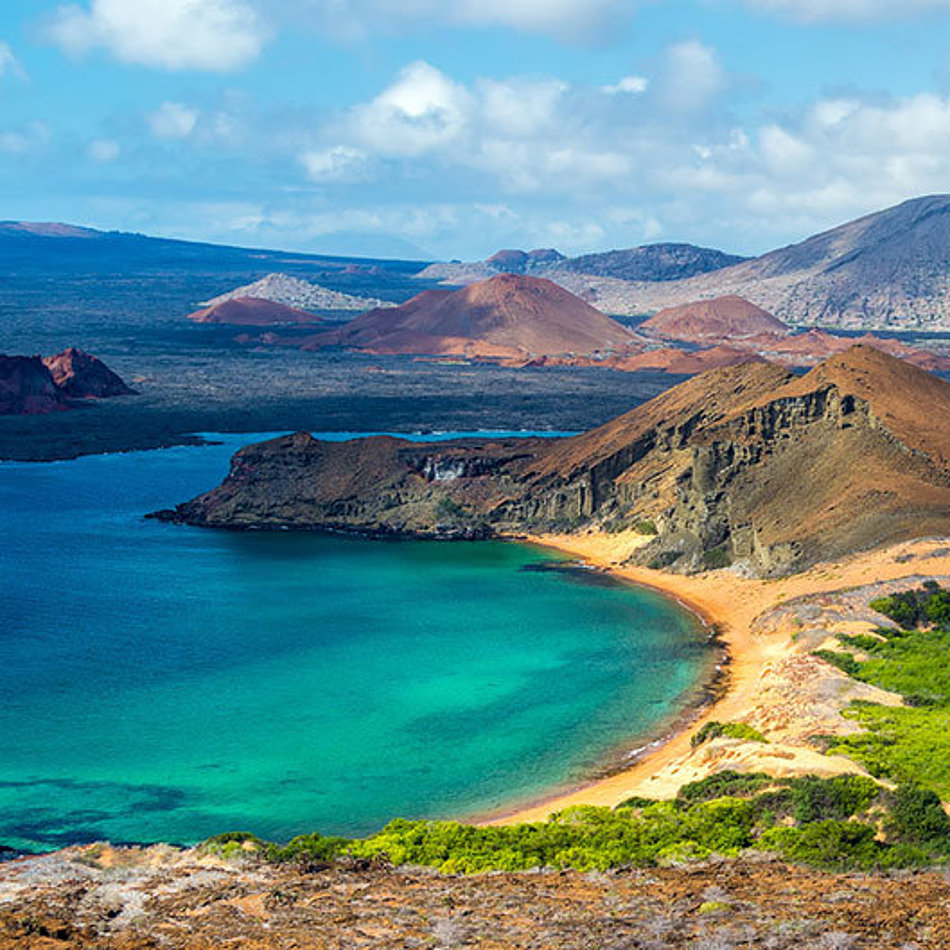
{"points": [[134, 899]]}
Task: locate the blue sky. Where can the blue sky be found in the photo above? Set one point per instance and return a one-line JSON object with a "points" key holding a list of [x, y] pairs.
{"points": [[452, 128]]}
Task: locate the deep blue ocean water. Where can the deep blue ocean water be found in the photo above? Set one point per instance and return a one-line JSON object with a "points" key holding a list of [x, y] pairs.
{"points": [[162, 682]]}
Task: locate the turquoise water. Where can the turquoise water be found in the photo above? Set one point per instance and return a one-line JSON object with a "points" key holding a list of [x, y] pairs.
{"points": [[162, 682]]}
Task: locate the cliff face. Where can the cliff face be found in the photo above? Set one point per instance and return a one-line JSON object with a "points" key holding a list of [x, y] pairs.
{"points": [[746, 465]]}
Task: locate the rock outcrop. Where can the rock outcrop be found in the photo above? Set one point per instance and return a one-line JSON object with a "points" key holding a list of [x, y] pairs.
{"points": [[32, 385], [746, 465], [27, 387], [80, 375]]}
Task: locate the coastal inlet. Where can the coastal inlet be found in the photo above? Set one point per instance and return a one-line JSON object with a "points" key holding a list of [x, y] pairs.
{"points": [[163, 682]]}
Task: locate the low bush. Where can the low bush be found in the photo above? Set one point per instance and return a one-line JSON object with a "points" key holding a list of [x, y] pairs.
{"points": [[843, 661], [828, 823], [731, 730], [717, 558]]}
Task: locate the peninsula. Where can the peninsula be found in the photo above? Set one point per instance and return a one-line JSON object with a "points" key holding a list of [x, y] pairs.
{"points": [[747, 465]]}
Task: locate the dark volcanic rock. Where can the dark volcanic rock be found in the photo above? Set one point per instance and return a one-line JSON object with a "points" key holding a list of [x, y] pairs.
{"points": [[27, 387], [652, 262], [748, 464], [377, 486], [81, 375]]}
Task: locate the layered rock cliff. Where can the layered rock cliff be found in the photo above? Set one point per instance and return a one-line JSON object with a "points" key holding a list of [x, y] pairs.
{"points": [[747, 465]]}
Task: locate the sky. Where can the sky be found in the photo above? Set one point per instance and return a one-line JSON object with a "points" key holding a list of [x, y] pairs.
{"points": [[452, 128]]}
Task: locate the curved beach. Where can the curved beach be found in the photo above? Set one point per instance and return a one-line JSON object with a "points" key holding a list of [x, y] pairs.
{"points": [[772, 681]]}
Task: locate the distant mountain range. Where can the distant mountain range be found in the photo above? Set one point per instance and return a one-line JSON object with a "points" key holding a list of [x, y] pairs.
{"points": [[48, 245], [652, 262], [888, 270]]}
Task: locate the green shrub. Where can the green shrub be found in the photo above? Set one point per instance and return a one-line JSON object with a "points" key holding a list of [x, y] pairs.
{"points": [[645, 526], [717, 557], [731, 730], [725, 783], [904, 744], [306, 849], [232, 844], [448, 508], [917, 817], [843, 661], [898, 608], [723, 814], [833, 845], [838, 798], [664, 560], [860, 642]]}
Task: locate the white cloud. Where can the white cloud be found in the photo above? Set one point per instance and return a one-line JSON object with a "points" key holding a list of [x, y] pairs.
{"points": [[630, 85], [692, 77], [339, 163], [783, 152], [103, 150], [850, 10], [25, 140], [216, 35], [420, 111], [9, 64], [572, 21], [518, 131], [562, 18], [173, 120]]}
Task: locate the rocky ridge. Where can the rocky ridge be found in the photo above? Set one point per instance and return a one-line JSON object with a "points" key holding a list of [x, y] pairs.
{"points": [[746, 465], [81, 375], [650, 262], [27, 387], [890, 269]]}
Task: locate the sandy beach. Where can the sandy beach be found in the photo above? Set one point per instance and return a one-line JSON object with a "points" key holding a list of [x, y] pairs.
{"points": [[769, 628]]}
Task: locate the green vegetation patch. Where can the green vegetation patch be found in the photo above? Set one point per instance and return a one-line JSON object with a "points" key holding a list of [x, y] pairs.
{"points": [[731, 730], [910, 743], [717, 558], [847, 822]]}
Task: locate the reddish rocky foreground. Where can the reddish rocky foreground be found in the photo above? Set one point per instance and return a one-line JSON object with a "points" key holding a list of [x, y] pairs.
{"points": [[134, 900]]}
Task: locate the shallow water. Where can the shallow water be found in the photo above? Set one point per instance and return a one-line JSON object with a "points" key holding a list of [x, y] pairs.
{"points": [[163, 682]]}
